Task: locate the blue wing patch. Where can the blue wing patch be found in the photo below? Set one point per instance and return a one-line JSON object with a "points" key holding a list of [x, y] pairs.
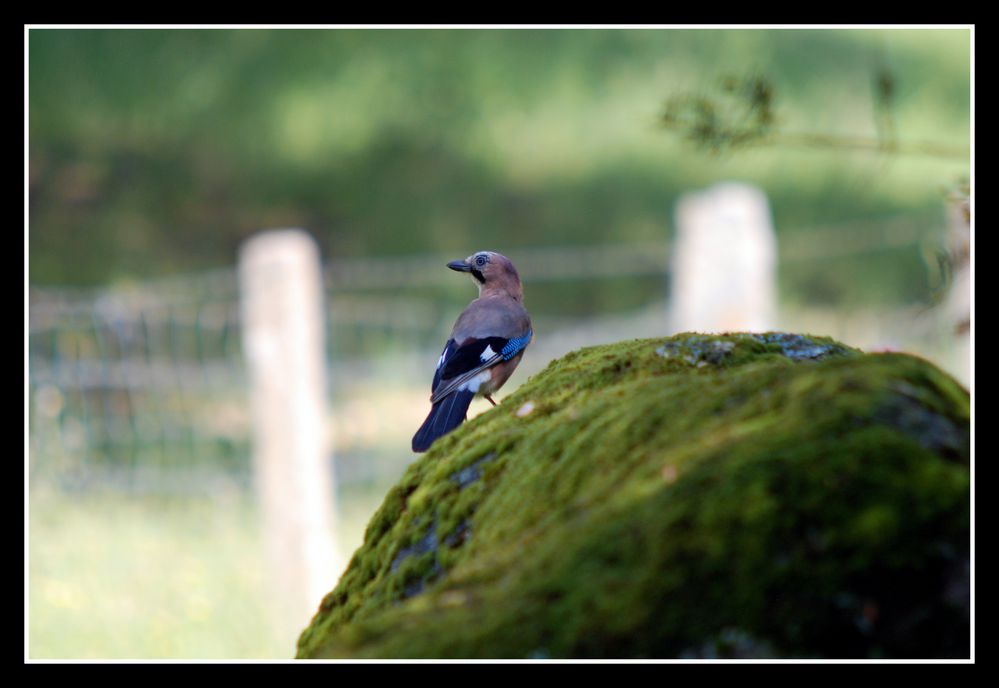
{"points": [[516, 345]]}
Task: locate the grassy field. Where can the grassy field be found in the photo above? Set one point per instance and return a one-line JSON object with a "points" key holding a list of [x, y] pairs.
{"points": [[115, 577]]}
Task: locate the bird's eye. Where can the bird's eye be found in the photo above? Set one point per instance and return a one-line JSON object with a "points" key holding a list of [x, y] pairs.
{"points": [[480, 260]]}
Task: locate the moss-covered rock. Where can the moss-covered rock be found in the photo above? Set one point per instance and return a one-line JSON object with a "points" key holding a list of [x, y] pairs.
{"points": [[695, 496]]}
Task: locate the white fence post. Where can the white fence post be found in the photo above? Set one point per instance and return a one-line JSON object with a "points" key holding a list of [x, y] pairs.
{"points": [[957, 304], [723, 262], [282, 325]]}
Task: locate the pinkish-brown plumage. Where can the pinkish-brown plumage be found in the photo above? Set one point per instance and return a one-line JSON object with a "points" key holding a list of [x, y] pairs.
{"points": [[485, 346]]}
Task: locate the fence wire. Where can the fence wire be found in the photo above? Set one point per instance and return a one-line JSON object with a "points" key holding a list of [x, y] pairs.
{"points": [[143, 387]]}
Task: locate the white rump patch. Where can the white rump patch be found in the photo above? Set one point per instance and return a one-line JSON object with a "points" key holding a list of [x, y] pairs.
{"points": [[477, 381]]}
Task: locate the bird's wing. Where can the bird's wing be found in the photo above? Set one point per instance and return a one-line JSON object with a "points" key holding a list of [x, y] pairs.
{"points": [[459, 364]]}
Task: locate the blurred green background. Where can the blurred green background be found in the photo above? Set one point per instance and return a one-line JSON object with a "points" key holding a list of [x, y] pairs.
{"points": [[154, 153]]}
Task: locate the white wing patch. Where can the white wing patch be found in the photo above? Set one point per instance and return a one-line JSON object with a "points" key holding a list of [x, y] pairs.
{"points": [[487, 353]]}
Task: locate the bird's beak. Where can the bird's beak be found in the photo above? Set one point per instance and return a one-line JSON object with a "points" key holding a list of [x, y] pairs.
{"points": [[460, 266]]}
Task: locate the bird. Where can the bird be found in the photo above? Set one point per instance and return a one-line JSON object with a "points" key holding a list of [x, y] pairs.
{"points": [[485, 346]]}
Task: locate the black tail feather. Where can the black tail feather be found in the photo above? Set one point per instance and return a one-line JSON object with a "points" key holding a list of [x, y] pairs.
{"points": [[445, 416]]}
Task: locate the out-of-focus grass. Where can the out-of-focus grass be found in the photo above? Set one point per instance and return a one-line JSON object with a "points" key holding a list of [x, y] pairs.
{"points": [[113, 576]]}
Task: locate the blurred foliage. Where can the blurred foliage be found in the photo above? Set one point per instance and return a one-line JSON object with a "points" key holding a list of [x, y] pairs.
{"points": [[157, 151]]}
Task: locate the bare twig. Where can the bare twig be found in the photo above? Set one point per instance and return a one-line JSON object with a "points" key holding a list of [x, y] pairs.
{"points": [[744, 116]]}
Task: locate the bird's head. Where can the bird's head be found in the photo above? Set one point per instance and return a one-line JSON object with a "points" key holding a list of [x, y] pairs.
{"points": [[491, 272]]}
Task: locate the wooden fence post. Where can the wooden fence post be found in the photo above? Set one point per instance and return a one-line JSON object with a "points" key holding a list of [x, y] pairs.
{"points": [[282, 331], [724, 262]]}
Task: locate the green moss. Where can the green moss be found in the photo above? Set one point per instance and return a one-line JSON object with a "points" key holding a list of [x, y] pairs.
{"points": [[693, 496]]}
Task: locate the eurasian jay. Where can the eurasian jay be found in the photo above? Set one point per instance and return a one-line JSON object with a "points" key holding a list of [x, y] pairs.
{"points": [[485, 346]]}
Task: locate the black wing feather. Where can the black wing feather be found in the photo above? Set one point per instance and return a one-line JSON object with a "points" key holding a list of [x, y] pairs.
{"points": [[448, 352]]}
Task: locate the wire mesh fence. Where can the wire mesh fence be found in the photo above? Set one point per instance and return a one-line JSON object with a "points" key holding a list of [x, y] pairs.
{"points": [[144, 387], [136, 385]]}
